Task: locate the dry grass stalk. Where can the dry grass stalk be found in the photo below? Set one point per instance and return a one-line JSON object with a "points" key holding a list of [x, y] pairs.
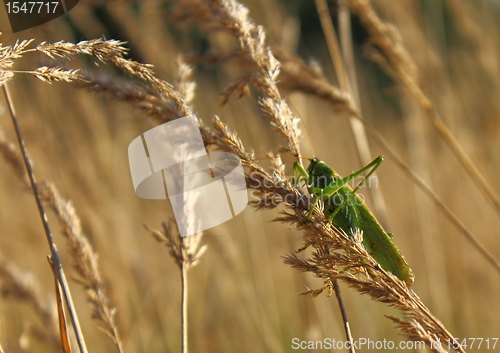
{"points": [[358, 133], [185, 251], [85, 260], [138, 94], [54, 258], [84, 257]]}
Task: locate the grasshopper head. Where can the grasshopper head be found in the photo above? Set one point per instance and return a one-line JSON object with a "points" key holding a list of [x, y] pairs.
{"points": [[320, 174], [312, 169], [317, 167], [313, 163]]}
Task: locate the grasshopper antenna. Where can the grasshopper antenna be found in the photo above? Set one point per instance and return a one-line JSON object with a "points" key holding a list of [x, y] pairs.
{"points": [[294, 157]]}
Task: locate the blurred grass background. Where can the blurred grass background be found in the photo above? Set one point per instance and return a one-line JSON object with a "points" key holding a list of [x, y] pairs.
{"points": [[242, 297]]}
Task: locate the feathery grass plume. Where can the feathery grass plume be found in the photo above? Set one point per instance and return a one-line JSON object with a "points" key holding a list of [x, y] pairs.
{"points": [[234, 17], [19, 285], [298, 76], [7, 56], [384, 37], [139, 95], [414, 331], [112, 51], [337, 256], [9, 53], [184, 84], [189, 12], [54, 74], [240, 86], [185, 251], [84, 257]]}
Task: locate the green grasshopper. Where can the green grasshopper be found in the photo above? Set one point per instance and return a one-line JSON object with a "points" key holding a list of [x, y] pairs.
{"points": [[348, 212]]}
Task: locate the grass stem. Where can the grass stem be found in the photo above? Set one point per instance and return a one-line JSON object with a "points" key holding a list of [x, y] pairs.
{"points": [[54, 253], [345, 320], [184, 307]]}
